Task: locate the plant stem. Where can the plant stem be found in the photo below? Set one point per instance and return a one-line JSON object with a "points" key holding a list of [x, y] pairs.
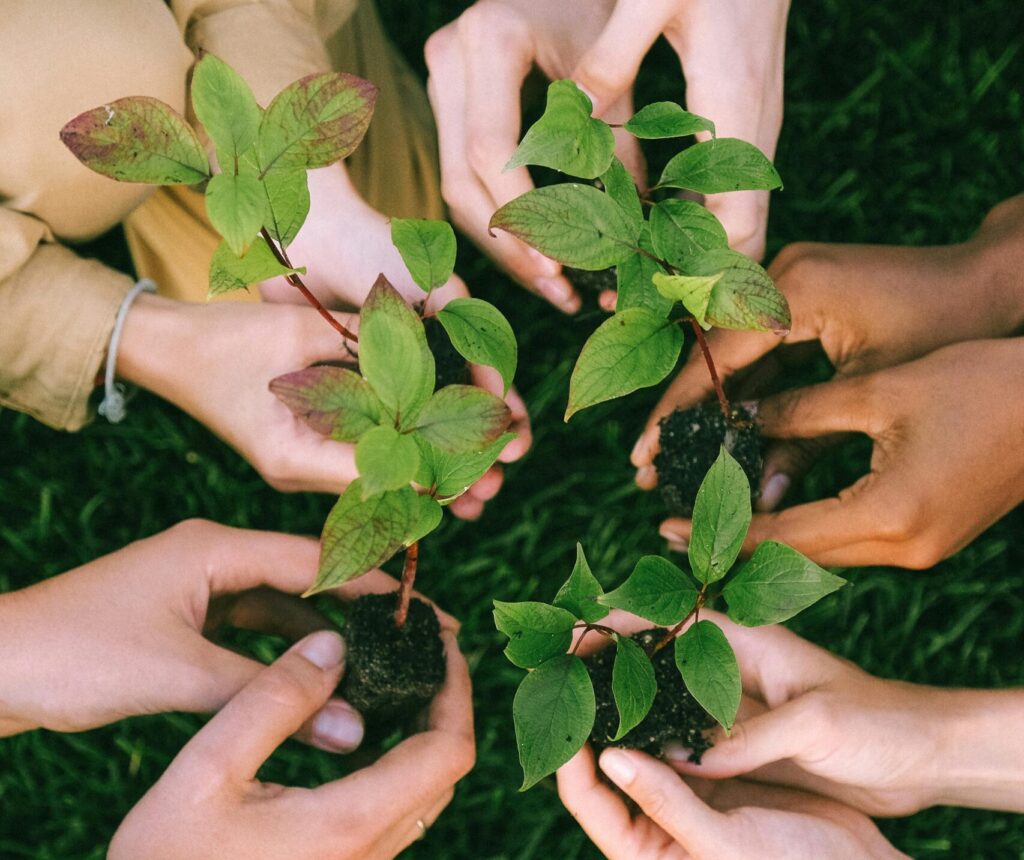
{"points": [[719, 391], [671, 635], [412, 554], [296, 282], [607, 631]]}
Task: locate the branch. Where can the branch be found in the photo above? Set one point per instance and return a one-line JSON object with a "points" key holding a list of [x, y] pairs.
{"points": [[412, 555]]}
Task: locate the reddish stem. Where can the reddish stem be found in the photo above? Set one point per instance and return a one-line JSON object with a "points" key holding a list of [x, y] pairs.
{"points": [[671, 635], [412, 554], [719, 391], [296, 282]]}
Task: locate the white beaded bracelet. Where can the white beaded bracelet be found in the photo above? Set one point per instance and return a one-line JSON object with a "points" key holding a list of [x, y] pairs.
{"points": [[112, 407]]}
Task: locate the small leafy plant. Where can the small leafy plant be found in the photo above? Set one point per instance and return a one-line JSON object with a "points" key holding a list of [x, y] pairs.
{"points": [[555, 706], [257, 198]]}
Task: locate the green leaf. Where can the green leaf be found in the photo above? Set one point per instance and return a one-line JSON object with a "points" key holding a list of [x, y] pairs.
{"points": [[386, 460], [536, 632], [236, 206], [137, 139], [482, 335], [632, 349], [775, 584], [656, 590], [226, 107], [574, 224], [708, 665], [287, 199], [580, 591], [725, 164], [721, 517], [694, 291], [554, 712], [566, 138], [332, 400], [619, 185], [634, 281], [462, 418], [451, 474], [427, 249], [361, 534], [230, 272], [745, 297], [315, 122], [633, 684], [666, 119], [682, 229], [393, 353]]}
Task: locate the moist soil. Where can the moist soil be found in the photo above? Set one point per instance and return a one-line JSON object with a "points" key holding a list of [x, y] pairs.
{"points": [[391, 673], [595, 282], [690, 441], [675, 714], [450, 367]]}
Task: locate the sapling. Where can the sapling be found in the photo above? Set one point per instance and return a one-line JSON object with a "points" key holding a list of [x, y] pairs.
{"points": [[673, 681], [406, 428], [674, 270]]}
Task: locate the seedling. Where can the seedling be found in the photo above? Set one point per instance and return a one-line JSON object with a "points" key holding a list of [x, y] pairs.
{"points": [[405, 428], [560, 704], [673, 266]]}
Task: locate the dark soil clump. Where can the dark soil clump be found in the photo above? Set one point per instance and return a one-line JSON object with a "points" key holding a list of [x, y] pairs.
{"points": [[391, 673], [596, 282], [450, 367], [690, 441], [675, 714]]}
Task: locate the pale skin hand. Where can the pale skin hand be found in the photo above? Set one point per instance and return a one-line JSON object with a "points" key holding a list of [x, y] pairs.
{"points": [[869, 307], [731, 54], [953, 419], [345, 244], [125, 634], [816, 722], [209, 804]]}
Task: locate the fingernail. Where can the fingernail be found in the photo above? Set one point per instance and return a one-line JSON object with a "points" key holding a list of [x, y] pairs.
{"points": [[675, 751], [645, 474], [324, 649], [557, 290], [672, 533], [639, 449], [338, 727], [546, 265], [618, 766], [774, 489], [750, 406], [680, 546]]}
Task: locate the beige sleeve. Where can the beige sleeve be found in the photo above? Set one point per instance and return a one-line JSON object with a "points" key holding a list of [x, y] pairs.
{"points": [[57, 312], [270, 43]]}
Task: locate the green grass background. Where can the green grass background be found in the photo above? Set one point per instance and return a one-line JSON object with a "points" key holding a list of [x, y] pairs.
{"points": [[903, 125]]}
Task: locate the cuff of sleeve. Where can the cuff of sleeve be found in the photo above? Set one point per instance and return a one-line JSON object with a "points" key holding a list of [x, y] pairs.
{"points": [[58, 312]]}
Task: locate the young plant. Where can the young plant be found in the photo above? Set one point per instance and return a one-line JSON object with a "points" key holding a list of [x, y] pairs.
{"points": [[555, 706], [257, 198]]}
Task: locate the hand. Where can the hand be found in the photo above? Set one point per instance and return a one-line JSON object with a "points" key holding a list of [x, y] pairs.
{"points": [[478, 63], [717, 821], [949, 422], [819, 723], [124, 635], [345, 244], [209, 803], [869, 307]]}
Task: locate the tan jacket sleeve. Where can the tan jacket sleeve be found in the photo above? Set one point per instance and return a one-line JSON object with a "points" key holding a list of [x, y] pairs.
{"points": [[57, 312]]}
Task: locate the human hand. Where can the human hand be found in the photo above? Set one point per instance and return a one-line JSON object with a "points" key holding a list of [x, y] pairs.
{"points": [[209, 804], [706, 819], [869, 307], [478, 63], [950, 420], [124, 635], [819, 723]]}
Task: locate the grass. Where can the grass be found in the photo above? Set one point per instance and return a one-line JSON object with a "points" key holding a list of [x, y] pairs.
{"points": [[903, 125]]}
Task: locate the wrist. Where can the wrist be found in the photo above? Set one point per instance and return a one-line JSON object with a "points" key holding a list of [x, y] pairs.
{"points": [[998, 254], [152, 344], [980, 751]]}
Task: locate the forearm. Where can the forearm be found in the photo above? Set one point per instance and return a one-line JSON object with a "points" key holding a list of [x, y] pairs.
{"points": [[981, 757]]}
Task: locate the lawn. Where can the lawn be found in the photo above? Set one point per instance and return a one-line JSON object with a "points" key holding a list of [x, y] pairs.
{"points": [[904, 124]]}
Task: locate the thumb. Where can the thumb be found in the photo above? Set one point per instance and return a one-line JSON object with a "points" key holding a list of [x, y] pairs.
{"points": [[609, 68], [269, 709]]}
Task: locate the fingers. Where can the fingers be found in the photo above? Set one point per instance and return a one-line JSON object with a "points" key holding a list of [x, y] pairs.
{"points": [[596, 807], [270, 708], [490, 380], [242, 559], [267, 611], [665, 799], [607, 71], [784, 462], [841, 406], [378, 582]]}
